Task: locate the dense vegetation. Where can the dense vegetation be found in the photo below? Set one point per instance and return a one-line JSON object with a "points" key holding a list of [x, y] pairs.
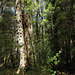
{"points": [[37, 37]]}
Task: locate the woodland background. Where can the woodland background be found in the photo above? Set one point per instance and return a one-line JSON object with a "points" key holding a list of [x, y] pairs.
{"points": [[47, 38]]}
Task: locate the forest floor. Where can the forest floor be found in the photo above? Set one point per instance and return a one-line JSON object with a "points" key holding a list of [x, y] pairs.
{"points": [[11, 71]]}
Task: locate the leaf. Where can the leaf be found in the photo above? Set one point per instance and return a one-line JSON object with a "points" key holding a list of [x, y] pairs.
{"points": [[60, 51], [57, 54], [22, 0], [54, 72], [55, 62]]}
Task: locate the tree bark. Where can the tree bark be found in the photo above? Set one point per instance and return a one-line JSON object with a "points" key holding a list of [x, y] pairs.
{"points": [[19, 33]]}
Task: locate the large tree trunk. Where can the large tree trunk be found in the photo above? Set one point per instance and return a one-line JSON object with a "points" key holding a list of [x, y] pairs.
{"points": [[19, 33]]}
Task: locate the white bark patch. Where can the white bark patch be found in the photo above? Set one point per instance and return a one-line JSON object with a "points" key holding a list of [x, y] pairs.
{"points": [[22, 58]]}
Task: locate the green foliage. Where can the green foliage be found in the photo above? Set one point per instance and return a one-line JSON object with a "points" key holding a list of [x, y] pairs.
{"points": [[6, 31], [28, 6], [6, 38], [52, 61], [52, 39], [22, 1], [44, 21]]}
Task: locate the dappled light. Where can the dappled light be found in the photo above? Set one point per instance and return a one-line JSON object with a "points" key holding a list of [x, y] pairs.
{"points": [[37, 37]]}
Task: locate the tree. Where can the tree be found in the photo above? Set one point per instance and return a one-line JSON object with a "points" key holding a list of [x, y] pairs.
{"points": [[19, 33]]}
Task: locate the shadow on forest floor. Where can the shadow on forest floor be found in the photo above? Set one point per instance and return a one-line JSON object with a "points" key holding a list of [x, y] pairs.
{"points": [[12, 71]]}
